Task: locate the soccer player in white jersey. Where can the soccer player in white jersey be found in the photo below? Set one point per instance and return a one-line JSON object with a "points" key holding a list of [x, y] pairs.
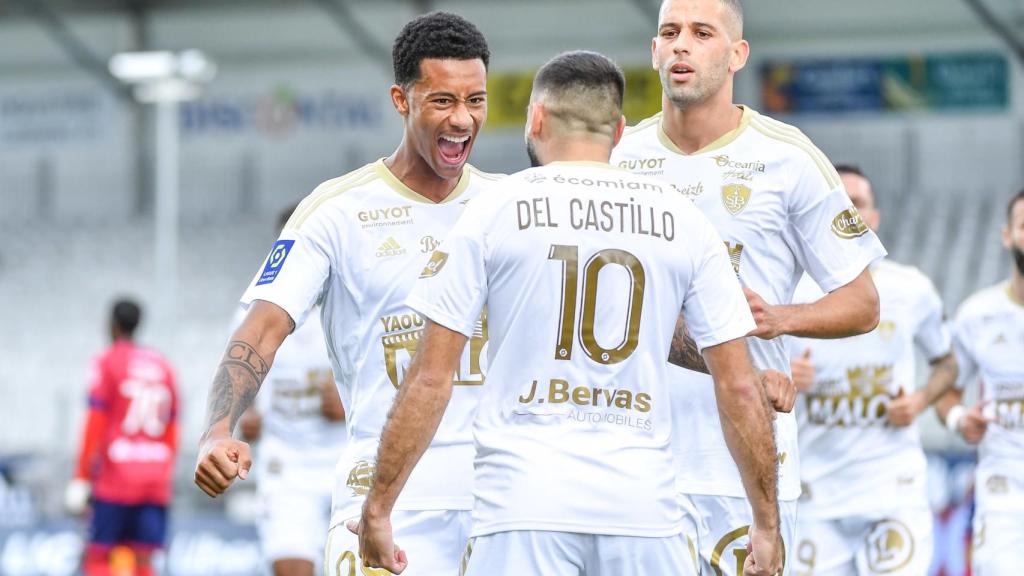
{"points": [[864, 508], [300, 423], [350, 246], [583, 269], [778, 204], [988, 340]]}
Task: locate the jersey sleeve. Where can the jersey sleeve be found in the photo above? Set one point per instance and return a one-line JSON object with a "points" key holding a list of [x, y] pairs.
{"points": [[932, 334], [452, 287], [101, 389], [715, 308], [825, 232], [295, 273], [962, 349]]}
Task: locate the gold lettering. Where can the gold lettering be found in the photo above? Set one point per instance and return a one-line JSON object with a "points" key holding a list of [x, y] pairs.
{"points": [[558, 391]]}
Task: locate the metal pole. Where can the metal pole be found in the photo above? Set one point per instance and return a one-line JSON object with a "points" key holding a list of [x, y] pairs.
{"points": [[166, 219]]}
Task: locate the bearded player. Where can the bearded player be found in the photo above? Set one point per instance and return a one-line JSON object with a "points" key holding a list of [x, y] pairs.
{"points": [[350, 246], [988, 339], [779, 206]]}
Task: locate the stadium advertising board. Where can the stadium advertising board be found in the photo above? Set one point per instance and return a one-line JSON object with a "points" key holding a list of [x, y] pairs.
{"points": [[950, 82]]}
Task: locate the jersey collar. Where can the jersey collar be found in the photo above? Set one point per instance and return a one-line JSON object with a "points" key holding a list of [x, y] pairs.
{"points": [[720, 142], [398, 186]]}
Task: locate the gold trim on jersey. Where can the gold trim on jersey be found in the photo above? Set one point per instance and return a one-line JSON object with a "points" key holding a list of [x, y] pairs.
{"points": [[398, 186], [1013, 297], [791, 135], [328, 190], [720, 142]]}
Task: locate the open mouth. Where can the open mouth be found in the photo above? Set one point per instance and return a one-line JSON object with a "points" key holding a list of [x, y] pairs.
{"points": [[453, 149], [681, 72]]}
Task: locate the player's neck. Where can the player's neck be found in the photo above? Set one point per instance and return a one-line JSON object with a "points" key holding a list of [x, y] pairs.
{"points": [[578, 151], [410, 168], [697, 126]]}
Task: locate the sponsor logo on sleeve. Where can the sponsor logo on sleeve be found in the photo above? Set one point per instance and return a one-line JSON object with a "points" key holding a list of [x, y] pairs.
{"points": [[275, 261], [437, 261], [848, 224]]}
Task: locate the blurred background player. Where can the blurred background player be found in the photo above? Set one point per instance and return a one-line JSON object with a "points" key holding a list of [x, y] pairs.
{"points": [[300, 424], [574, 471], [127, 456], [779, 205], [864, 508], [988, 339], [354, 245]]}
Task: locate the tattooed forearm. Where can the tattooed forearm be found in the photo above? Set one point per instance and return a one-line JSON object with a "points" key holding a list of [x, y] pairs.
{"points": [[238, 379], [683, 351]]}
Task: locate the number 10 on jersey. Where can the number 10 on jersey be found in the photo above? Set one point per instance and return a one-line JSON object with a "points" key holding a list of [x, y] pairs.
{"points": [[567, 325]]}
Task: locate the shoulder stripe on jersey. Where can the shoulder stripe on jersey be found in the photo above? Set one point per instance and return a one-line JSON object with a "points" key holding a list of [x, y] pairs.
{"points": [[791, 135], [645, 123], [329, 190]]}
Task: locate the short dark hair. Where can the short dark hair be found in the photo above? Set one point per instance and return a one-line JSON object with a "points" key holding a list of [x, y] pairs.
{"points": [[126, 315], [850, 169], [579, 70], [1018, 197], [435, 35]]}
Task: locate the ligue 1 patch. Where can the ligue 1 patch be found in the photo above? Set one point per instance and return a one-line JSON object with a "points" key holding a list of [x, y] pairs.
{"points": [[275, 261]]}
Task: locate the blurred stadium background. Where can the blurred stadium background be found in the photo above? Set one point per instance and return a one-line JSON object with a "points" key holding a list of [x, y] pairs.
{"points": [[925, 96]]}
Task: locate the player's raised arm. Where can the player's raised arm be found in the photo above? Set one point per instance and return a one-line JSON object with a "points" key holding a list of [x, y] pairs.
{"points": [[746, 423], [410, 427], [246, 362]]}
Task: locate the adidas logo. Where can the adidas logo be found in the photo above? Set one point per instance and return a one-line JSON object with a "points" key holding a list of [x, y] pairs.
{"points": [[389, 248]]}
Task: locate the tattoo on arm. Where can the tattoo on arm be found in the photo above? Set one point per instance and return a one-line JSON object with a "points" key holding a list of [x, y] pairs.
{"points": [[238, 379], [683, 351]]}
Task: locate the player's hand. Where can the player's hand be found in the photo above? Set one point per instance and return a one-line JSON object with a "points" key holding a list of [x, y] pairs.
{"points": [[974, 423], [377, 547], [769, 323], [221, 460], [904, 408], [802, 370], [76, 496], [779, 388], [764, 553]]}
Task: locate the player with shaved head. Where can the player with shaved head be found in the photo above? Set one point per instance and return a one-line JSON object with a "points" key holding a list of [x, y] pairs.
{"points": [[780, 208]]}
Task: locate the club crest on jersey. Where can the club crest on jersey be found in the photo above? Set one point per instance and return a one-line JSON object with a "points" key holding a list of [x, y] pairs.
{"points": [[275, 261], [437, 261], [890, 546], [735, 197], [849, 225]]}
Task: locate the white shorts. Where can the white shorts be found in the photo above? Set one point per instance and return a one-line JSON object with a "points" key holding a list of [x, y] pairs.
{"points": [[433, 541], [998, 543], [542, 553], [295, 510], [895, 544], [723, 522]]}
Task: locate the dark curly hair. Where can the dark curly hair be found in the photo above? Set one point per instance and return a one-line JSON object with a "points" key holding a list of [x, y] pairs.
{"points": [[435, 35]]}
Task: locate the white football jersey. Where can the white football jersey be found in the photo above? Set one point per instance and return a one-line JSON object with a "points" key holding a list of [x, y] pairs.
{"points": [[781, 209], [583, 269], [354, 245], [988, 338], [851, 460]]}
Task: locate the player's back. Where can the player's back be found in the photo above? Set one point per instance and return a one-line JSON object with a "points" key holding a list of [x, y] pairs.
{"points": [[135, 387], [587, 267]]}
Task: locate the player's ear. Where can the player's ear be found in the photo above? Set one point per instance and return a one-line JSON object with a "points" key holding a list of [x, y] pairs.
{"points": [[1007, 243], [400, 100], [619, 128], [536, 116], [654, 52], [740, 54]]}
